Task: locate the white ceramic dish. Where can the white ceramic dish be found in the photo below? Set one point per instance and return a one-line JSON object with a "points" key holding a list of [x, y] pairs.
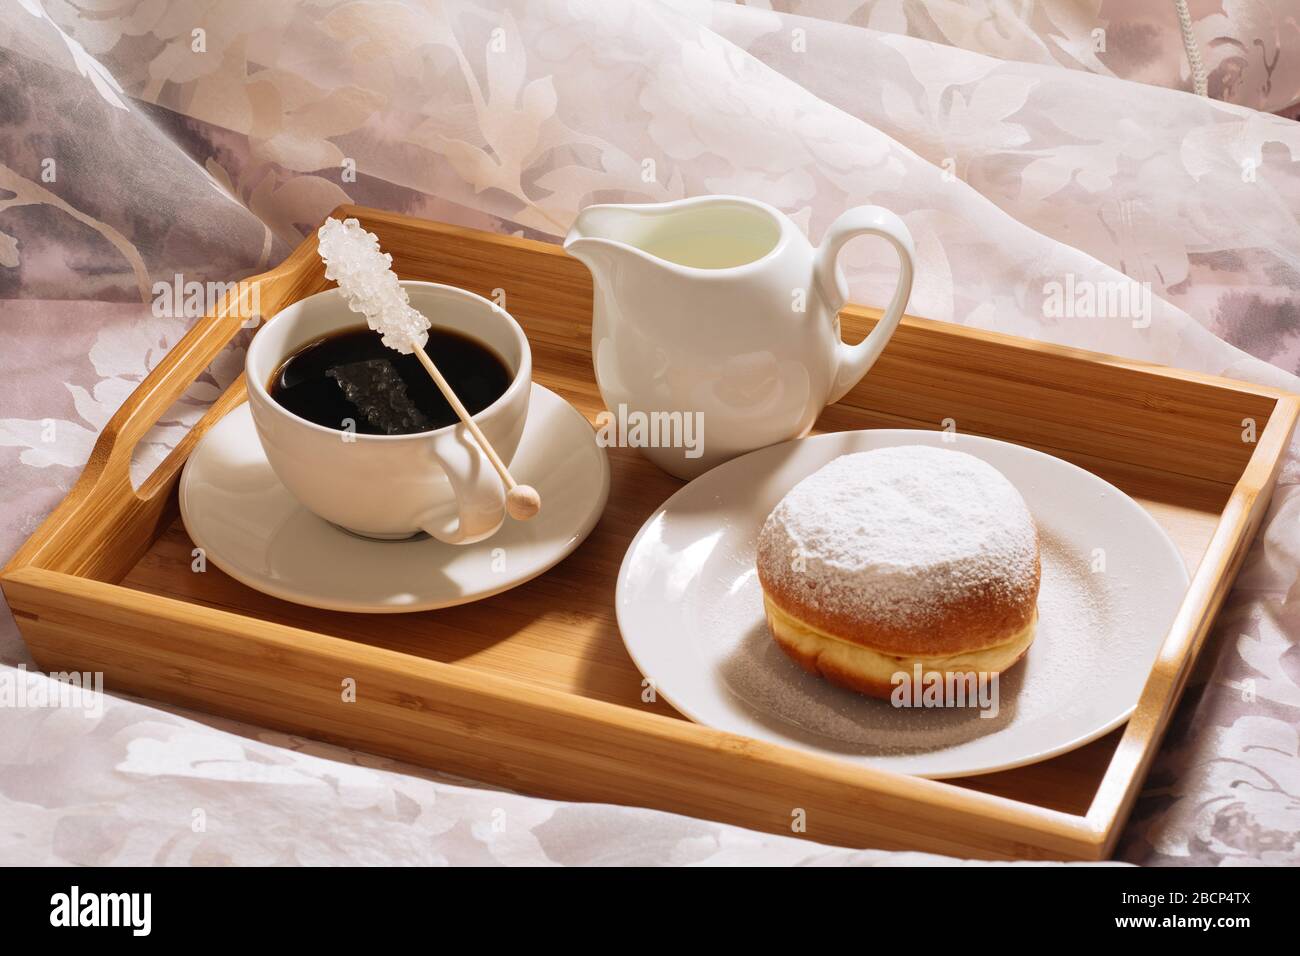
{"points": [[252, 528], [690, 610]]}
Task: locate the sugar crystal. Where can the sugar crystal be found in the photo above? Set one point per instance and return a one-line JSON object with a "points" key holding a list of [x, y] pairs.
{"points": [[364, 274]]}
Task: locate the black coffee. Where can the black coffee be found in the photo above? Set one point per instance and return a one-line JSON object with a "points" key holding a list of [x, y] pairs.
{"points": [[352, 376]]}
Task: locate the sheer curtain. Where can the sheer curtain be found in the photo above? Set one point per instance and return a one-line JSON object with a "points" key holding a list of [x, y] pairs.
{"points": [[145, 139]]}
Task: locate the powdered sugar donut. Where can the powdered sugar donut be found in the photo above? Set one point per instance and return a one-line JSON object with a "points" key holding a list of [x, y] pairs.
{"points": [[889, 558]]}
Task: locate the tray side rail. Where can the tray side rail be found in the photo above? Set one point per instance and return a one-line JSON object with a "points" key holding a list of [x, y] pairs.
{"points": [[1187, 635], [1181, 422], [491, 727]]}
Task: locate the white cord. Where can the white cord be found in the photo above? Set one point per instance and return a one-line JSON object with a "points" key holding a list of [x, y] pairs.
{"points": [[1194, 61]]}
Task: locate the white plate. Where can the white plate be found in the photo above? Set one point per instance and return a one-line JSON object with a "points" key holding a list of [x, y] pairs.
{"points": [[690, 609], [249, 526]]}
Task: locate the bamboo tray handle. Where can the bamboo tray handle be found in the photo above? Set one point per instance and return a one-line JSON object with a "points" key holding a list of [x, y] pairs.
{"points": [[104, 486], [110, 461]]}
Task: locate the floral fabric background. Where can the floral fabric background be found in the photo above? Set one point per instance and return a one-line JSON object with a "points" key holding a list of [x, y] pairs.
{"points": [[145, 139]]}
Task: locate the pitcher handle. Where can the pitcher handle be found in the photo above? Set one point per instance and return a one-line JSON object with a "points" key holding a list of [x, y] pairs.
{"points": [[854, 360]]}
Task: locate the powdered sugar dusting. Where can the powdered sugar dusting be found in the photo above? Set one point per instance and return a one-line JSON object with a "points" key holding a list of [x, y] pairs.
{"points": [[365, 276], [896, 534]]}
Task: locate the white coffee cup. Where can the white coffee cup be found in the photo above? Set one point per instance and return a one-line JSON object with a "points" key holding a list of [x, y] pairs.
{"points": [[393, 486]]}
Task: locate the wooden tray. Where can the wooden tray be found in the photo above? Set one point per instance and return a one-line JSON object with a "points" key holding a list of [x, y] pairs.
{"points": [[532, 689]]}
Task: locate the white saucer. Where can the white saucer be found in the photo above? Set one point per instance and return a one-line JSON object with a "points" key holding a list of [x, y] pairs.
{"points": [[690, 609], [249, 526]]}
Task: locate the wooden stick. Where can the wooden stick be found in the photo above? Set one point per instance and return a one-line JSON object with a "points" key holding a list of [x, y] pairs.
{"points": [[522, 501]]}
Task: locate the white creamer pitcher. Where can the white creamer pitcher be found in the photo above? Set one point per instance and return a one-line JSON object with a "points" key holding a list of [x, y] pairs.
{"points": [[716, 327]]}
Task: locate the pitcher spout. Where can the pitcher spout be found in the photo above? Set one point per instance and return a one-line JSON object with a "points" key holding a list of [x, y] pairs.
{"points": [[601, 235], [596, 254]]}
